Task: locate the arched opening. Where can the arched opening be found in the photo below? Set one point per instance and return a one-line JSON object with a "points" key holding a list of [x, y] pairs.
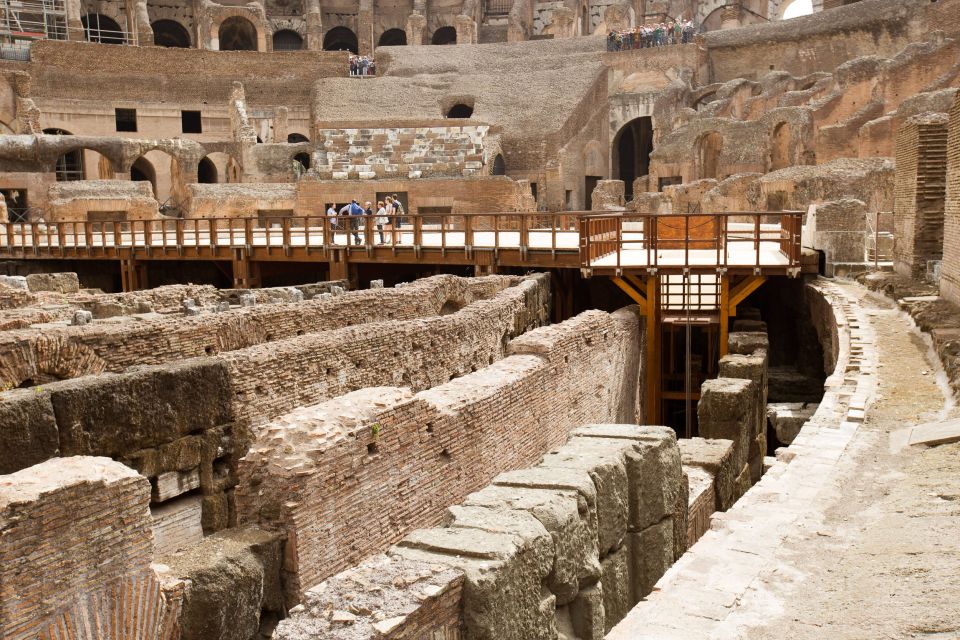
{"points": [[499, 166], [170, 33], [340, 39], [287, 40], [392, 38], [460, 110], [102, 29], [704, 100], [632, 147], [708, 155], [444, 35], [780, 147], [237, 34], [70, 165], [303, 159], [142, 171], [207, 172], [797, 8], [713, 21], [295, 138]]}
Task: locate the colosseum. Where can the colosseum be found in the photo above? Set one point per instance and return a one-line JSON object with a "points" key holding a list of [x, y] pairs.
{"points": [[479, 319]]}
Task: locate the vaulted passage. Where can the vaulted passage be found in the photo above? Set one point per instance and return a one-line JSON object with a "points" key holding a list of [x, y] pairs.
{"points": [[340, 39], [237, 34], [631, 151]]}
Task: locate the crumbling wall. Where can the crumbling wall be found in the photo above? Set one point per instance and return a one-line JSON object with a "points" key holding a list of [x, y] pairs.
{"points": [[331, 497], [565, 547], [919, 191], [950, 273], [75, 553]]}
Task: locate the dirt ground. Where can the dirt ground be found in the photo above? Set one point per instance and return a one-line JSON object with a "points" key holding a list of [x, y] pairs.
{"points": [[882, 558]]}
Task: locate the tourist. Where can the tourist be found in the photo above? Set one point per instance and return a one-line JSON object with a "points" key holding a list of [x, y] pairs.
{"points": [[398, 209], [355, 212], [651, 35], [332, 214], [381, 219]]}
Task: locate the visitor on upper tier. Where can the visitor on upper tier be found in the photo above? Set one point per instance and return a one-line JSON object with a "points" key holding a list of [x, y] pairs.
{"points": [[651, 35], [381, 220], [355, 212], [332, 214]]}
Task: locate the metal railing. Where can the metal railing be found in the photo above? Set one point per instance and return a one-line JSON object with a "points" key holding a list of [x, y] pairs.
{"points": [[688, 240]]}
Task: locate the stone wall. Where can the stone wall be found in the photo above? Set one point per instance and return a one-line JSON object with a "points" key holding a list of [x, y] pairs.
{"points": [[67, 352], [919, 191], [950, 273], [565, 547], [333, 499], [75, 554]]}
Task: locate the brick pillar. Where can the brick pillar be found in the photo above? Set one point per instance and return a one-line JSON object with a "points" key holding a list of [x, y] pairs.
{"points": [[950, 272], [416, 24], [466, 29], [280, 124], [365, 28], [74, 25], [731, 16], [314, 26]]}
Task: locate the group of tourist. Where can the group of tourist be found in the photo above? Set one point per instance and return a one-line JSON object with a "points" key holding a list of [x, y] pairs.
{"points": [[652, 35], [389, 209], [362, 66]]}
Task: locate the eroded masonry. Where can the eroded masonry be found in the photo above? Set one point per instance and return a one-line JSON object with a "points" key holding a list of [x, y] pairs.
{"points": [[516, 339]]}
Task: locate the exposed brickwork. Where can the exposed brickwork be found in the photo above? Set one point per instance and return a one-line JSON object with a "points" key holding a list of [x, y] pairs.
{"points": [[950, 273], [333, 499], [919, 191], [75, 549]]}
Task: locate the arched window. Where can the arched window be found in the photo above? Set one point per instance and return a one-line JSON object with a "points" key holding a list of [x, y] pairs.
{"points": [[632, 147], [797, 8], [499, 166], [444, 35], [460, 111], [392, 38], [237, 34], [207, 172], [287, 40], [296, 138], [170, 33], [102, 29], [303, 159], [340, 39], [70, 165], [143, 171]]}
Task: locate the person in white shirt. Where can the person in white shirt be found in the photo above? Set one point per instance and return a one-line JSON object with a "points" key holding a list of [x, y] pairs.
{"points": [[381, 219]]}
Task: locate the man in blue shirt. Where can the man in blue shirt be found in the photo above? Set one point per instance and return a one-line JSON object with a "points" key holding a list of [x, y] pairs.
{"points": [[355, 210]]}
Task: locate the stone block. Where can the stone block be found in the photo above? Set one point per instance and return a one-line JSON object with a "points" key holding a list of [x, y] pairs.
{"points": [[681, 516], [747, 342], [651, 554], [750, 367], [503, 597], [55, 282], [176, 525], [28, 429], [114, 414], [716, 458], [574, 560], [743, 482], [587, 614], [727, 410], [15, 282], [615, 581], [758, 450], [171, 484], [787, 418], [81, 317]]}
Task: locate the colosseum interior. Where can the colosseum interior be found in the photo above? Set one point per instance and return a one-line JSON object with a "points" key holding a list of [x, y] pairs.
{"points": [[479, 319]]}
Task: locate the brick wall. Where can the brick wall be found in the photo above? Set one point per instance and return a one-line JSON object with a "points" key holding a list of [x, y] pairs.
{"points": [[75, 553], [401, 152], [919, 190], [69, 352], [381, 462], [950, 273]]}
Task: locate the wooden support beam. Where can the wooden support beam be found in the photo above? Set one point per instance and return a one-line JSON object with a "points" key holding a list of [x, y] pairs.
{"points": [[740, 292], [129, 275], [653, 368], [724, 315], [635, 294]]}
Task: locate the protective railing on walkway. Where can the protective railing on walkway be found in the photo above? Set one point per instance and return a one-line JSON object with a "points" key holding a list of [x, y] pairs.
{"points": [[613, 242]]}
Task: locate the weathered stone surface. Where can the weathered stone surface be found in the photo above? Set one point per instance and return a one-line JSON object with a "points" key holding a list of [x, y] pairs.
{"points": [[716, 457], [727, 410], [787, 418], [615, 580], [587, 614], [747, 342], [651, 554], [55, 282], [28, 429]]}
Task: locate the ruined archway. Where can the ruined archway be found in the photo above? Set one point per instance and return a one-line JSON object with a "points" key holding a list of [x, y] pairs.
{"points": [[392, 38], [780, 140], [460, 110], [237, 34], [297, 138], [795, 9], [303, 159], [444, 35], [103, 29], [142, 170], [340, 39], [207, 172], [709, 147], [632, 147], [170, 33], [499, 166], [47, 359], [287, 40], [70, 165]]}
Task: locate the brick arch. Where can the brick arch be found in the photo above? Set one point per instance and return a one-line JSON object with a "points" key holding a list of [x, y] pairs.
{"points": [[264, 32], [706, 7], [47, 358]]}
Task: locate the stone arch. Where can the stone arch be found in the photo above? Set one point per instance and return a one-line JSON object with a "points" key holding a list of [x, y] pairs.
{"points": [[287, 40], [46, 359], [103, 29], [228, 170], [297, 138], [170, 33], [340, 39], [69, 166], [795, 8], [392, 38], [704, 100], [707, 8], [142, 170], [304, 160], [207, 171], [499, 167], [444, 35], [709, 146], [713, 20], [460, 110], [781, 139], [630, 151], [237, 33]]}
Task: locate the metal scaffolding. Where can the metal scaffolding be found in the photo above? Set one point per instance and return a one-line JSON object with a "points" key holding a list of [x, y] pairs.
{"points": [[23, 21]]}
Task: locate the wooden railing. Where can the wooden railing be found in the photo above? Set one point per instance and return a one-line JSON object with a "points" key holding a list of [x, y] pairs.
{"points": [[690, 240]]}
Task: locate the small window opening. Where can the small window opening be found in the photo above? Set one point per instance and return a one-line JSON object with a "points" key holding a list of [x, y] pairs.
{"points": [[126, 119], [190, 122]]}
